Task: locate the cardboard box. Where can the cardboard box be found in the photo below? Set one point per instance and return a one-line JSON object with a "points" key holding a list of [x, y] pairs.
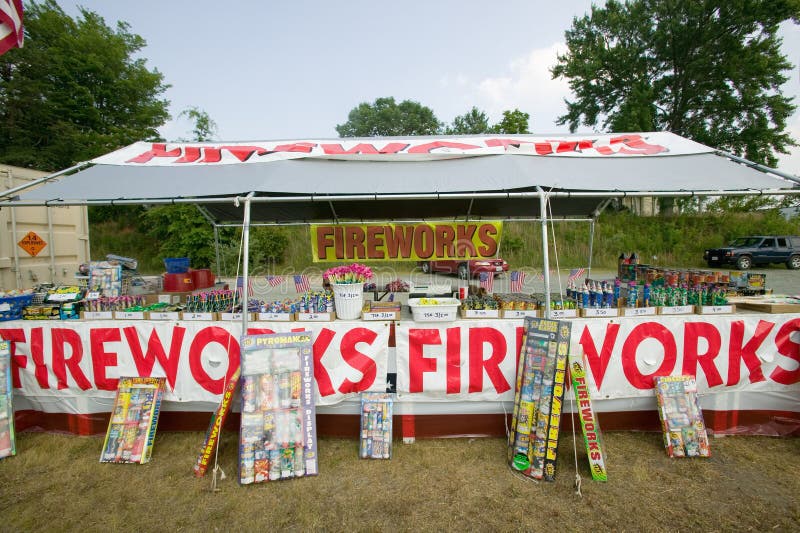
{"points": [[769, 307], [128, 315], [236, 316], [197, 316], [599, 312], [520, 313], [380, 315], [676, 310], [639, 311], [97, 315], [276, 317], [162, 315], [480, 313]]}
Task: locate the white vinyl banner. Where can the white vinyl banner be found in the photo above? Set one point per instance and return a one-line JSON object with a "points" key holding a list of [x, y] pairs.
{"points": [[403, 149], [476, 360], [55, 360]]}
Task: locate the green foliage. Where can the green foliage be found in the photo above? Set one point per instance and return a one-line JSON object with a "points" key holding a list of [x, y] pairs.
{"points": [[472, 122], [74, 91], [709, 71], [204, 129], [128, 214], [121, 236], [512, 122], [387, 118], [181, 231]]}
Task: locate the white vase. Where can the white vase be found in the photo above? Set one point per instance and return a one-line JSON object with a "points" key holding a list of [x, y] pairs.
{"points": [[349, 299]]}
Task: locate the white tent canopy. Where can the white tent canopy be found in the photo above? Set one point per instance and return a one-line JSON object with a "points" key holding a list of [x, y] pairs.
{"points": [[412, 178]]}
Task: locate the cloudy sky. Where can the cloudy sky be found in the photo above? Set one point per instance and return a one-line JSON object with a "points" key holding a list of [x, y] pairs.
{"points": [[266, 70]]}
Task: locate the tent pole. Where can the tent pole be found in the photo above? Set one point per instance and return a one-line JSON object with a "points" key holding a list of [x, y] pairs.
{"points": [[545, 256], [245, 260], [591, 246], [216, 249]]}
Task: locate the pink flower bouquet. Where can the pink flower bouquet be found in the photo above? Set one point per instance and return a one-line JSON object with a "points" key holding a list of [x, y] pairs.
{"points": [[352, 273]]}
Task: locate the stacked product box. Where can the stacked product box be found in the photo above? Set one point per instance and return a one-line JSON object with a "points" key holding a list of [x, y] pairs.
{"points": [[133, 423], [541, 375], [7, 439], [376, 425], [682, 422], [277, 438]]}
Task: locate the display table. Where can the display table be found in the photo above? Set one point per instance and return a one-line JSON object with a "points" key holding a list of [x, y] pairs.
{"points": [[452, 378]]}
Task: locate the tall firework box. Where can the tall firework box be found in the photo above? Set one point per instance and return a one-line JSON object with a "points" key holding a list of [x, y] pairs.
{"points": [[376, 425], [7, 439], [590, 427], [277, 436], [681, 418], [215, 425], [539, 396], [133, 423]]}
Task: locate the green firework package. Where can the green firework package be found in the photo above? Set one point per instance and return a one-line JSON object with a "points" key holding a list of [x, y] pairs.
{"points": [[539, 395], [590, 427]]}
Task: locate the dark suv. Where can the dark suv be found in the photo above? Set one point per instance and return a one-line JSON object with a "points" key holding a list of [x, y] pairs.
{"points": [[745, 252]]}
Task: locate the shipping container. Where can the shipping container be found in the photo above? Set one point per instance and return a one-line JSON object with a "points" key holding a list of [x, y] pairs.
{"points": [[40, 244]]}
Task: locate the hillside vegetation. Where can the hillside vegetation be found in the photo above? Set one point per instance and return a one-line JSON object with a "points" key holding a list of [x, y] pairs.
{"points": [[671, 241]]}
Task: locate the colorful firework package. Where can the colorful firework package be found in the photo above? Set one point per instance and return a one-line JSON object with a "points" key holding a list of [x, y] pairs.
{"points": [[277, 437], [376, 425], [590, 427], [7, 440], [132, 427], [541, 375], [681, 417]]}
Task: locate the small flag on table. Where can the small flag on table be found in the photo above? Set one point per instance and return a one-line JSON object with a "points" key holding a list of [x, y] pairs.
{"points": [[274, 281], [575, 273], [240, 285], [487, 280], [301, 283], [517, 280]]}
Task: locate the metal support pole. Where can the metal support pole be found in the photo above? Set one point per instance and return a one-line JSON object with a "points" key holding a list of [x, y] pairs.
{"points": [[216, 250], [591, 247], [246, 260], [545, 253]]}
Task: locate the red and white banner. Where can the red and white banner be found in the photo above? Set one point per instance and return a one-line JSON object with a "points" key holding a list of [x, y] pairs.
{"points": [[74, 366], [475, 360], [68, 360], [403, 149]]}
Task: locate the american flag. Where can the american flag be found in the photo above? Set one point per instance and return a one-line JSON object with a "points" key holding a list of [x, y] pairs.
{"points": [[301, 283], [240, 284], [487, 280], [517, 280], [274, 281], [575, 273], [11, 31]]}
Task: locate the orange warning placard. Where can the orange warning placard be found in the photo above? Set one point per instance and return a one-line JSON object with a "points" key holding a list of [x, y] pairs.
{"points": [[32, 243]]}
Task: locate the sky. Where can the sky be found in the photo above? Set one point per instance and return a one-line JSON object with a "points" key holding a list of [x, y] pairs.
{"points": [[267, 70]]}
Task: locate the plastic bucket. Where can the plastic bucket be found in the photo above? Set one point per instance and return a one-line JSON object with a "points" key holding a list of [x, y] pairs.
{"points": [[203, 278], [349, 299], [178, 282]]}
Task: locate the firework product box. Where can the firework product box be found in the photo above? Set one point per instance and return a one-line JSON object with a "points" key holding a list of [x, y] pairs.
{"points": [[376, 425], [590, 427], [215, 425], [681, 418], [539, 395], [277, 436], [133, 423], [7, 438]]}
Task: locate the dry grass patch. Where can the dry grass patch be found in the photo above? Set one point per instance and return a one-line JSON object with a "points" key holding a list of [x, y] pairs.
{"points": [[57, 482]]}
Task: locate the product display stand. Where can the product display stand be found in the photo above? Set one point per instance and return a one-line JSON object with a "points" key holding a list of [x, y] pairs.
{"points": [[681, 418], [7, 438], [539, 398], [590, 427], [277, 438], [133, 423], [376, 425]]}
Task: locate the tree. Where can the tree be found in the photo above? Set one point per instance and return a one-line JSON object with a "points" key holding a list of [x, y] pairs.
{"points": [[512, 122], [74, 91], [710, 71], [472, 122], [387, 118], [205, 129]]}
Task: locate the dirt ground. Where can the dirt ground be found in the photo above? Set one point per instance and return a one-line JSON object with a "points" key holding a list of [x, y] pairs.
{"points": [[749, 484]]}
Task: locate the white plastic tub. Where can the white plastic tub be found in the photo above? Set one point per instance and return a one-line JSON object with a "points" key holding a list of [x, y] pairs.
{"points": [[443, 310]]}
